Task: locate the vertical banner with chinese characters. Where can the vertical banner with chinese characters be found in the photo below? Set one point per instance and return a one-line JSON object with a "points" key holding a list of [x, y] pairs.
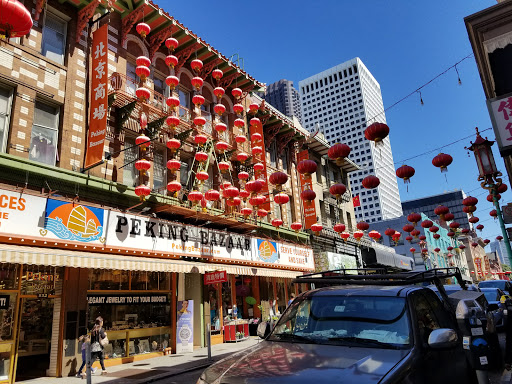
{"points": [[261, 175], [99, 98], [185, 327], [309, 205]]}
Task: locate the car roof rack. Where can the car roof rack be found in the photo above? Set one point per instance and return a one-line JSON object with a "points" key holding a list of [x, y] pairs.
{"points": [[379, 276]]}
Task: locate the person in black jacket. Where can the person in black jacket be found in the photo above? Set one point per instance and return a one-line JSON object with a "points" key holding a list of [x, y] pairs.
{"points": [[97, 334]]}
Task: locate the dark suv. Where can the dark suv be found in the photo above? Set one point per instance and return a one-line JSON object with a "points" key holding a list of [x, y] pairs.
{"points": [[354, 334]]}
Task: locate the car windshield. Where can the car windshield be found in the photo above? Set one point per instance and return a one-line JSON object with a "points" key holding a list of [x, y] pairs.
{"points": [[368, 321], [492, 284], [491, 294]]}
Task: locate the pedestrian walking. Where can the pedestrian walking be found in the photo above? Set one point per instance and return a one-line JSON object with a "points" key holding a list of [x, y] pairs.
{"points": [[85, 340], [292, 296], [98, 341]]}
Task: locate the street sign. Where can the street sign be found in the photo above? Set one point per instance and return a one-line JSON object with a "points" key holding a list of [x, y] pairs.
{"points": [[507, 213]]}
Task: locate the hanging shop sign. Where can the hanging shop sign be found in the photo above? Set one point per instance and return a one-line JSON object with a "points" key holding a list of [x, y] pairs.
{"points": [[309, 205], [327, 261], [75, 222], [185, 327], [289, 255], [141, 232], [13, 213], [261, 174], [99, 98], [215, 277], [127, 299], [500, 110]]}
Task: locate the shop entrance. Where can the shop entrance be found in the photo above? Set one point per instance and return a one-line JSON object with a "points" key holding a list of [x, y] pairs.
{"points": [[35, 332]]}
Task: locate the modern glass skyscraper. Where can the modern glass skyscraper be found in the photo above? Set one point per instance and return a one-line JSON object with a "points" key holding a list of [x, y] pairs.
{"points": [[342, 101], [283, 96]]}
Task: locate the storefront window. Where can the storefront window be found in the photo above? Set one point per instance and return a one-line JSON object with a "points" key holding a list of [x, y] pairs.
{"points": [[102, 279], [9, 276], [226, 300], [5, 361], [144, 281], [7, 308], [40, 280]]}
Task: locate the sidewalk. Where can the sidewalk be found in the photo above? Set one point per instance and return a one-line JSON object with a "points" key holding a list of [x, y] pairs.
{"points": [[157, 368]]}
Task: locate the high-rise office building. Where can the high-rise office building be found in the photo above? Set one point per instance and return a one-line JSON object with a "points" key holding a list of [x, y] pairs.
{"points": [[499, 248], [342, 100], [283, 96]]}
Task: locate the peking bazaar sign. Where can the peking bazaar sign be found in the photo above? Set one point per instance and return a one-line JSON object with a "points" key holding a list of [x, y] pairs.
{"points": [[99, 98], [261, 175], [309, 205], [215, 277]]}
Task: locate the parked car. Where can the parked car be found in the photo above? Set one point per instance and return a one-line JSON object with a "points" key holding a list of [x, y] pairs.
{"points": [[504, 285], [493, 296], [353, 333]]}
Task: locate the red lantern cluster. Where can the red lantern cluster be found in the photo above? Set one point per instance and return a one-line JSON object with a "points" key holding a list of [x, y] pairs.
{"points": [[441, 211]]}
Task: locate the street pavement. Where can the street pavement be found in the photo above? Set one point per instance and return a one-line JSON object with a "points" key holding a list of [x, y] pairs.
{"points": [[159, 368]]}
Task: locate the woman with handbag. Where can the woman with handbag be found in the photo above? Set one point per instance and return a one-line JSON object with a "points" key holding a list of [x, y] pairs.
{"points": [[99, 340]]}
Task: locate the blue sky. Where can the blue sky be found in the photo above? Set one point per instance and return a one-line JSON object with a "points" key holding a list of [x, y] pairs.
{"points": [[403, 43]]}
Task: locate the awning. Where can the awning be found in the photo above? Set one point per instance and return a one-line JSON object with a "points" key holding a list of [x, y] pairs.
{"points": [[500, 41], [373, 257], [18, 254]]}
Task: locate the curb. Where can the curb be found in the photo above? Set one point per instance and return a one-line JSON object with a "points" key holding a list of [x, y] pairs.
{"points": [[177, 373]]}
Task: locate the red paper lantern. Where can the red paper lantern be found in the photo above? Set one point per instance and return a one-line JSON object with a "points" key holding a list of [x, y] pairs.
{"points": [[405, 172], [499, 238], [490, 198], [230, 192], [308, 195], [423, 238], [462, 246], [316, 228], [258, 167], [142, 191], [469, 209], [171, 61], [171, 43], [173, 165], [278, 178], [224, 166], [143, 29], [427, 224], [454, 225], [15, 19], [370, 182], [174, 186], [449, 216], [441, 210], [225, 184], [296, 226], [234, 202], [487, 241], [219, 109], [256, 136], [437, 236], [281, 198], [244, 194], [173, 144], [253, 108], [196, 65], [197, 100], [199, 121], [255, 122], [173, 102], [212, 195], [143, 94], [221, 146], [256, 150], [172, 81], [236, 92], [474, 244], [433, 229], [172, 121], [374, 235], [442, 161], [436, 250], [202, 176], [409, 239], [376, 132], [254, 186], [414, 218], [389, 232], [494, 213], [238, 109], [337, 190], [470, 200], [451, 234], [240, 139], [201, 157], [143, 72], [358, 235], [408, 228], [306, 168], [262, 212], [415, 233], [246, 211], [474, 220], [412, 250], [480, 227], [424, 250], [239, 123], [257, 200], [217, 74], [345, 236], [220, 127], [142, 142], [200, 139], [339, 227], [243, 175], [195, 196], [362, 226], [218, 92], [502, 188], [277, 223], [197, 82], [338, 152], [142, 61], [242, 156], [142, 165]]}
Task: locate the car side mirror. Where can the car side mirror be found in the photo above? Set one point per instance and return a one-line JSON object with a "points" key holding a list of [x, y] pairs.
{"points": [[263, 329], [492, 307], [442, 338]]}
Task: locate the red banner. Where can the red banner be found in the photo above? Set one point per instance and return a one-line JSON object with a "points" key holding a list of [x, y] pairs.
{"points": [[215, 277], [99, 97], [309, 206], [261, 175], [355, 201], [478, 264]]}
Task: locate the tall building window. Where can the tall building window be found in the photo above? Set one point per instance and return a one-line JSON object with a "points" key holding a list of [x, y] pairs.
{"points": [[131, 154], [43, 139], [131, 78], [159, 171], [184, 96], [5, 113], [54, 38]]}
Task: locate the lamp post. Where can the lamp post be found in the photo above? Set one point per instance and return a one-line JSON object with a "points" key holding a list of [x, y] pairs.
{"points": [[489, 178]]}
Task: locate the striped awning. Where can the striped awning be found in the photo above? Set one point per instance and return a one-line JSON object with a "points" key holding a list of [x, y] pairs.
{"points": [[17, 254]]}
